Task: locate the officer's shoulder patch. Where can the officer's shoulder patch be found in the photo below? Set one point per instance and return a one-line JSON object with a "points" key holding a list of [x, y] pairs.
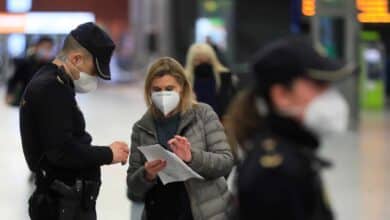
{"points": [[60, 80], [271, 160], [269, 144]]}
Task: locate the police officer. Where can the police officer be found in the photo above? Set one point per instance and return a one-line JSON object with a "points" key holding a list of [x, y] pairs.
{"points": [[279, 123], [37, 56], [56, 146]]}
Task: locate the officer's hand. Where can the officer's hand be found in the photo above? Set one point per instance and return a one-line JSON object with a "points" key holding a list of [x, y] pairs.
{"points": [[9, 99], [153, 167], [120, 152]]}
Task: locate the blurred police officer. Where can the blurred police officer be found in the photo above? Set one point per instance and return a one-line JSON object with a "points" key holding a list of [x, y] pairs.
{"points": [[37, 56], [279, 123], [56, 146]]}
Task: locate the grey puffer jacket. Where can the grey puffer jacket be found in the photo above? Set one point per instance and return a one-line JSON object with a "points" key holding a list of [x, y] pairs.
{"points": [[211, 158]]}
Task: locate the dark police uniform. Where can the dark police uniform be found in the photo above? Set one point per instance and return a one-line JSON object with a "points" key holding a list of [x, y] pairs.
{"points": [[58, 149], [280, 177]]}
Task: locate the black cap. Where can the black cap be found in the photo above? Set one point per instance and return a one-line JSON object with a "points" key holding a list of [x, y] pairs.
{"points": [[98, 43], [289, 58]]}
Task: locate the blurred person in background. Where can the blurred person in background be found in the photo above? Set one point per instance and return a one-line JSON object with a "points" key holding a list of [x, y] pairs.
{"points": [[212, 82], [218, 51], [279, 124], [37, 56], [194, 133], [55, 144]]}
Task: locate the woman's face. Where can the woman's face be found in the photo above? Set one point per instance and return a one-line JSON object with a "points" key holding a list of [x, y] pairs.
{"points": [[166, 94], [201, 58], [166, 83]]}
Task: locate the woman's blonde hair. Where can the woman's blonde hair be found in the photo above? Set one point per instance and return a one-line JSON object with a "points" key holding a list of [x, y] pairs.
{"points": [[169, 66], [206, 50]]}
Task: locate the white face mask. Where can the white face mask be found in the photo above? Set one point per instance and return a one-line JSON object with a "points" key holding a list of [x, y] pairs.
{"points": [[327, 114], [166, 101], [86, 83]]}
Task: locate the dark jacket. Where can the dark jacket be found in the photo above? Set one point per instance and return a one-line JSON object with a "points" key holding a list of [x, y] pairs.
{"points": [[227, 91], [53, 129], [211, 158], [218, 97], [280, 179]]}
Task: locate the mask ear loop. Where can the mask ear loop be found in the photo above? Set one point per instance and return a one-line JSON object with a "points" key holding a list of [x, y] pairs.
{"points": [[71, 67]]}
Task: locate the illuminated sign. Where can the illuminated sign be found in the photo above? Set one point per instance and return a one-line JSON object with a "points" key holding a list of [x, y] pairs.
{"points": [[12, 23], [43, 22], [370, 11], [309, 7], [373, 11], [18, 6]]}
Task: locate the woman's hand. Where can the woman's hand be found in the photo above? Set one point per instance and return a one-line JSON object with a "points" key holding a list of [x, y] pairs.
{"points": [[181, 147], [153, 167]]}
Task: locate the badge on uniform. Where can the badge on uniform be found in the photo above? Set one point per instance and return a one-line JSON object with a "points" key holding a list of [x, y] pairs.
{"points": [[271, 159], [269, 144]]}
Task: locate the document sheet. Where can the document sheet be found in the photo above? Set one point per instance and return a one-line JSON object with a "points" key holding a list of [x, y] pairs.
{"points": [[175, 171]]}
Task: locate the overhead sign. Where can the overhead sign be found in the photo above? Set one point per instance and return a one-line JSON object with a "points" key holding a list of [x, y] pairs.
{"points": [[369, 11], [373, 11], [308, 7], [43, 22]]}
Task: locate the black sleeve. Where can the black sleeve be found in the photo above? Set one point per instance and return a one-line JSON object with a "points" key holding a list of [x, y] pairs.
{"points": [[17, 77], [11, 84], [55, 119]]}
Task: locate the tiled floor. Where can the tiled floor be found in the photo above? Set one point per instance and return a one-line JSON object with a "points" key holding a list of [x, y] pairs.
{"points": [[358, 185]]}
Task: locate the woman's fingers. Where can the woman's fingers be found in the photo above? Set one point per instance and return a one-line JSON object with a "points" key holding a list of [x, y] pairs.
{"points": [[174, 144], [172, 141], [159, 167], [153, 167], [184, 139], [181, 139], [153, 164]]}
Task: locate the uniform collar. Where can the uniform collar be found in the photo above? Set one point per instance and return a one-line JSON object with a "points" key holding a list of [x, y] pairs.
{"points": [[62, 76], [291, 130]]}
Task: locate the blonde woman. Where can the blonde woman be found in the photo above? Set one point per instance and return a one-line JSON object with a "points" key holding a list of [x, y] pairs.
{"points": [[212, 82], [190, 130]]}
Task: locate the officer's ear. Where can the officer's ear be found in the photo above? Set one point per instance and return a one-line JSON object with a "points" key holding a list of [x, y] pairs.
{"points": [[76, 58]]}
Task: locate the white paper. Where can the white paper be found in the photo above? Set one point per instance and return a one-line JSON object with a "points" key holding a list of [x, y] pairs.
{"points": [[175, 171]]}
